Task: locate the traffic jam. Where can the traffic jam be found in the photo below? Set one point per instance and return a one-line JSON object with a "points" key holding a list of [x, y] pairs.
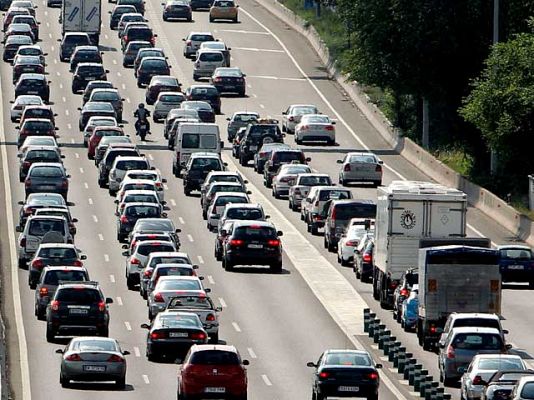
{"points": [[410, 246]]}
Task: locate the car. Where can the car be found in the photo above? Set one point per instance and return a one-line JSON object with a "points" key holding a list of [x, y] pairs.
{"points": [[85, 54], [19, 29], [523, 389], [119, 168], [95, 109], [117, 12], [278, 158], [345, 373], [363, 262], [219, 46], [35, 201], [86, 72], [136, 184], [165, 269], [204, 110], [177, 9], [21, 102], [194, 39], [409, 310], [114, 150], [131, 213], [98, 121], [314, 203], [348, 242], [126, 18], [70, 41], [138, 4], [256, 134], [147, 52], [139, 237], [218, 204], [27, 64], [167, 287], [11, 13], [285, 176], [38, 141], [156, 258], [61, 212], [196, 378], [172, 333], [206, 93], [35, 127], [236, 142], [301, 186], [500, 385], [53, 255], [253, 243], [459, 347], [242, 211], [77, 307], [49, 280], [31, 50], [92, 359], [136, 196], [13, 43], [38, 112], [37, 154], [122, 30], [483, 366], [106, 141], [409, 278], [136, 260], [197, 169], [47, 178], [481, 320], [229, 80], [206, 62], [151, 174], [148, 225], [360, 167], [99, 132], [27, 4], [264, 154], [179, 117], [220, 176], [216, 187], [293, 114], [111, 96], [165, 102], [150, 67], [132, 49], [224, 9], [315, 128], [240, 119], [36, 84], [92, 85], [517, 264], [143, 33], [30, 20], [158, 83]]}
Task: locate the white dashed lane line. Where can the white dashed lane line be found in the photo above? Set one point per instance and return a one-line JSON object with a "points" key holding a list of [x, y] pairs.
{"points": [[69, 126], [137, 353], [181, 220], [90, 200], [173, 203], [262, 106], [127, 325], [222, 302], [190, 238], [76, 155], [95, 218], [145, 378], [114, 61], [112, 278], [81, 170], [67, 113], [266, 380], [61, 86], [251, 353], [101, 237], [236, 327], [200, 260], [63, 98], [86, 185], [119, 301], [106, 258], [211, 280]]}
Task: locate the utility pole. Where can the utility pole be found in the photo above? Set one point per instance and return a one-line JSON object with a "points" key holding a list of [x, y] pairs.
{"points": [[426, 125], [318, 9], [493, 157]]}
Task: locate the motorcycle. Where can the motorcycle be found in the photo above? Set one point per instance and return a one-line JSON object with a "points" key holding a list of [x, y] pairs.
{"points": [[142, 127]]}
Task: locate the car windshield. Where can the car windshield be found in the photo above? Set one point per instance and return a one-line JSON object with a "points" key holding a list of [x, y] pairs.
{"points": [[146, 249], [166, 81], [95, 345], [316, 119], [105, 132], [142, 211], [366, 159], [48, 155], [528, 391], [55, 276], [224, 178], [477, 341], [105, 96], [46, 172], [315, 180], [190, 301], [254, 232], [46, 200], [245, 118], [139, 186], [171, 320], [168, 260], [226, 188], [244, 213], [362, 360], [516, 254], [500, 363], [90, 69], [288, 156], [295, 170], [58, 252], [334, 194], [214, 357], [37, 125], [261, 130], [133, 47], [178, 284], [195, 141], [87, 55], [80, 296], [42, 227], [224, 3], [38, 113]]}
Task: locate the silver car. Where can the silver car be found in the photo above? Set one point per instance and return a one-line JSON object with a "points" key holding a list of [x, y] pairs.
{"points": [[21, 102], [218, 205], [193, 42], [315, 128], [160, 258], [120, 166], [206, 63], [47, 178], [285, 177], [240, 119], [165, 102], [293, 114], [301, 187], [168, 287], [360, 167], [89, 358]]}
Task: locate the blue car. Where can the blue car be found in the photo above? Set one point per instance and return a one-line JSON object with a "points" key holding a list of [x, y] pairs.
{"points": [[516, 264], [410, 310]]}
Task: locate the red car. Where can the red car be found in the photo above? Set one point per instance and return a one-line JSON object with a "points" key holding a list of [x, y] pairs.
{"points": [[213, 372], [98, 133]]}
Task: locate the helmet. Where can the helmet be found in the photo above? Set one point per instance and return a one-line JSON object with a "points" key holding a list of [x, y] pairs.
{"points": [[141, 105]]}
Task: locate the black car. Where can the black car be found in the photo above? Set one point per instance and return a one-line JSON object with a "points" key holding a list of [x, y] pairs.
{"points": [[107, 161], [27, 65], [95, 85], [501, 384], [117, 12], [203, 108], [36, 201], [255, 136], [177, 9], [85, 73], [37, 154], [149, 67], [200, 4], [345, 373], [95, 108], [35, 127], [85, 54], [402, 291], [12, 45], [70, 41], [363, 265], [516, 264], [253, 243], [33, 84], [264, 153], [77, 308], [131, 213], [161, 83], [132, 49], [207, 93], [50, 255], [138, 4], [197, 170], [229, 80], [135, 32]]}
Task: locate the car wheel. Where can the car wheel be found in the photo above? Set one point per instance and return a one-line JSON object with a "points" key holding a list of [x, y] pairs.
{"points": [[151, 356], [227, 265], [104, 332], [211, 19], [195, 77], [165, 18], [295, 208], [277, 267], [377, 183], [130, 283], [331, 247], [120, 383], [275, 194], [218, 255], [22, 263], [204, 215], [298, 141], [50, 335], [101, 183], [343, 262], [358, 274], [314, 230], [214, 338], [65, 383], [284, 129]]}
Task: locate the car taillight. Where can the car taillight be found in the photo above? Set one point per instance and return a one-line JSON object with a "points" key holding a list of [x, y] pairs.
{"points": [[367, 258], [404, 292], [37, 263], [73, 357], [291, 119], [352, 243], [317, 218], [236, 242], [433, 329], [477, 380], [54, 305], [115, 358], [324, 374], [378, 168], [450, 352], [346, 167], [197, 64], [153, 40], [102, 306], [28, 211], [263, 154], [273, 243], [158, 298], [158, 335], [147, 273], [65, 183], [210, 317], [77, 263], [188, 42], [158, 184], [135, 261], [329, 128], [304, 127], [197, 336], [124, 219], [22, 242], [218, 79], [373, 376], [393, 284], [125, 38], [43, 292]]}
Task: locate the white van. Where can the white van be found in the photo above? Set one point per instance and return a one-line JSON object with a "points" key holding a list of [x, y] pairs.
{"points": [[193, 138]]}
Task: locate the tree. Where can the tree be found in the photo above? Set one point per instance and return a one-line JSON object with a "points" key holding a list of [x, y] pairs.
{"points": [[501, 104]]}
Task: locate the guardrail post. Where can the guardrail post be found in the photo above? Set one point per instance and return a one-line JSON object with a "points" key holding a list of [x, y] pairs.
{"points": [[378, 332], [439, 393], [425, 385], [393, 350], [430, 394], [388, 343], [418, 378], [373, 324], [447, 396], [416, 370], [383, 337], [398, 355], [403, 361], [366, 319], [408, 367]]}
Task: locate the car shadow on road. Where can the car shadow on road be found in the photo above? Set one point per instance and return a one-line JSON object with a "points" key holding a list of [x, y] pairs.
{"points": [[515, 286], [259, 270], [100, 387]]}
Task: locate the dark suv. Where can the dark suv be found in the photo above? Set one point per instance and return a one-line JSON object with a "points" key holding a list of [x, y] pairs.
{"points": [[161, 83], [137, 33], [149, 67], [87, 54], [33, 84], [255, 135], [278, 157], [70, 41], [208, 93], [85, 73], [77, 308], [253, 243]]}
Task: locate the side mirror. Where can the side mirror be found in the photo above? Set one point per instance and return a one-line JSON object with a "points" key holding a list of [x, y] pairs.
{"points": [[308, 159], [380, 162], [311, 364], [145, 326], [116, 201], [60, 351], [339, 161], [227, 118], [505, 331], [462, 370], [267, 216], [246, 362], [279, 233], [333, 122], [70, 204], [508, 347], [83, 257], [245, 181], [125, 353], [79, 109], [12, 102], [218, 309], [378, 366], [17, 127], [125, 253], [68, 176], [19, 155], [195, 266], [164, 215], [164, 180], [249, 192], [18, 229], [178, 230], [284, 113], [55, 114], [20, 202], [201, 278], [207, 290], [109, 300], [59, 40], [62, 156]]}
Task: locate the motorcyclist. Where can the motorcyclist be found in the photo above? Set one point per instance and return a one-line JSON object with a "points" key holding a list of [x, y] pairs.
{"points": [[142, 115]]}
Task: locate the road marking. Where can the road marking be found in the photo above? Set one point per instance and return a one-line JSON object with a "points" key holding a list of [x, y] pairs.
{"points": [[46, 13], [145, 378], [72, 141], [137, 352], [69, 126], [173, 203], [101, 237], [90, 200], [262, 106], [123, 86], [61, 86], [236, 327], [276, 78], [58, 73], [243, 31], [86, 185], [257, 50], [50, 35], [112, 278], [181, 220], [119, 301], [190, 238], [150, 157], [266, 380], [76, 155], [81, 170], [106, 258], [95, 218], [251, 352], [165, 186], [47, 24], [52, 47], [254, 95], [62, 98], [127, 325], [114, 61], [222, 302], [17, 303], [249, 85], [211, 280], [128, 100], [55, 61], [119, 74], [200, 260], [106, 36]]}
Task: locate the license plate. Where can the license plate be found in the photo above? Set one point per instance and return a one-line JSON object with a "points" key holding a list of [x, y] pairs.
{"points": [[32, 92], [255, 246], [230, 87], [253, 148], [47, 187], [516, 267], [348, 389], [94, 368], [90, 78], [178, 334], [78, 311], [215, 390]]}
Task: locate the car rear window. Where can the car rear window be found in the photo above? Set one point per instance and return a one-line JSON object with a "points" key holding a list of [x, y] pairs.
{"points": [[288, 156], [95, 345], [516, 254], [179, 284], [37, 125], [476, 322], [46, 172], [304, 110], [140, 198], [348, 359], [163, 225], [204, 91], [260, 130], [32, 82], [141, 33], [202, 38], [214, 357], [193, 141], [172, 98], [145, 250], [82, 296], [143, 211], [211, 57], [500, 363], [348, 211], [41, 227], [209, 163], [174, 271], [42, 155], [221, 201], [190, 301], [132, 164], [80, 40], [334, 194], [168, 260], [91, 69], [367, 159], [254, 232], [57, 252], [315, 180], [477, 341], [138, 186], [55, 276], [244, 213], [38, 113], [246, 118]]}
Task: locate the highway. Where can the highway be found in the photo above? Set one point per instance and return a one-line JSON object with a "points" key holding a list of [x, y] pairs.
{"points": [[278, 322]]}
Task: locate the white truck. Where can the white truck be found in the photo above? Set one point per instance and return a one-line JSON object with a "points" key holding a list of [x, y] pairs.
{"points": [[82, 16], [462, 279], [408, 211]]}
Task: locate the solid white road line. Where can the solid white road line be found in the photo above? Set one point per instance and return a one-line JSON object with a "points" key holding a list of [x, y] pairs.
{"points": [[258, 50], [242, 31], [251, 353], [127, 325], [17, 304], [266, 380], [222, 302], [236, 327]]}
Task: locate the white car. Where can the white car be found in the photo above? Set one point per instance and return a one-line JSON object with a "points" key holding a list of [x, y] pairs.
{"points": [[300, 189], [21, 102], [348, 242], [160, 258], [119, 168], [165, 102], [140, 184], [285, 178], [38, 141], [167, 287], [149, 174], [293, 114], [360, 167], [315, 128], [218, 204], [96, 121], [136, 196]]}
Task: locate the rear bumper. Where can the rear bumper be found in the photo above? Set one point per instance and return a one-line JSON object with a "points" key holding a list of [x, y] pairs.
{"points": [[332, 389], [517, 275], [251, 259]]}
